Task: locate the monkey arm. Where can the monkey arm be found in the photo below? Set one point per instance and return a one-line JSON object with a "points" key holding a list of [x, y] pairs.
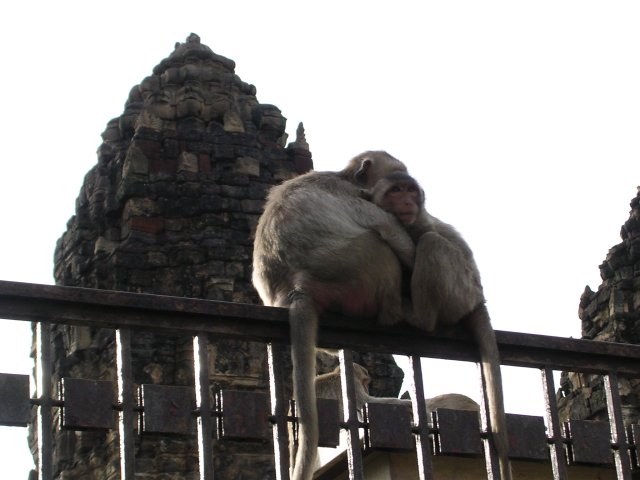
{"points": [[371, 217], [453, 236], [400, 243]]}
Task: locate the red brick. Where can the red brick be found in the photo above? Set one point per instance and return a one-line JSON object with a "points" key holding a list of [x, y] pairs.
{"points": [[153, 225], [204, 162]]}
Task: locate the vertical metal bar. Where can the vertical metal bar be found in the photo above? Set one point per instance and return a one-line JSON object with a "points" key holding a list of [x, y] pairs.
{"points": [[203, 404], [44, 415], [279, 412], [490, 454], [558, 457], [126, 398], [354, 450], [421, 420], [618, 436]]}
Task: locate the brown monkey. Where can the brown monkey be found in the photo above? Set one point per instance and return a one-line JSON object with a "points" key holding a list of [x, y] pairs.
{"points": [[446, 288], [320, 246]]}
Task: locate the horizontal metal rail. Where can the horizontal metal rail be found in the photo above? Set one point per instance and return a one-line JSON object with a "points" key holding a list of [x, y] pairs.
{"points": [[165, 314], [129, 312]]}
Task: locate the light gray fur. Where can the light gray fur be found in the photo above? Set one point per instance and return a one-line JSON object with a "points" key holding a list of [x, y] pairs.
{"points": [[328, 386], [446, 290], [318, 239]]}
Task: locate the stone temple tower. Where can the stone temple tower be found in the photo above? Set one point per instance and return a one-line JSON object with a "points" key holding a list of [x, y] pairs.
{"points": [[610, 314], [189, 160], [170, 208]]}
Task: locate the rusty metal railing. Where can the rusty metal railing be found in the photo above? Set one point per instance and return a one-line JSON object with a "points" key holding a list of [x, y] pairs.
{"points": [[129, 313]]}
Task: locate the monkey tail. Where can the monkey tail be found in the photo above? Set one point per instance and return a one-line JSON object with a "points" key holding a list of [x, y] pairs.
{"points": [[479, 323], [303, 324]]}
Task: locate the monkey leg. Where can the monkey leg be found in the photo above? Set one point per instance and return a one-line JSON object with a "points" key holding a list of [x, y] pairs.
{"points": [[303, 324], [444, 285], [429, 289], [369, 280], [387, 273]]}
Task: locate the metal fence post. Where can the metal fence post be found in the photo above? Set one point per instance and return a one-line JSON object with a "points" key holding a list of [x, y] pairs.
{"points": [[127, 403], [44, 392], [203, 404]]}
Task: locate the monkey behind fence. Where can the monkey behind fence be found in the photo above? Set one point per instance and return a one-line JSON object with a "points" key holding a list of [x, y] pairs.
{"points": [[321, 246]]}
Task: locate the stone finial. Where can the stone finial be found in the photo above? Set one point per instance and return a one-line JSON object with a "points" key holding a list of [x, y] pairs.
{"points": [[192, 48], [192, 38], [299, 153], [301, 140]]}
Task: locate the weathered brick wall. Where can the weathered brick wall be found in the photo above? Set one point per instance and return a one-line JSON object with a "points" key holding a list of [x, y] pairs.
{"points": [[170, 208], [610, 314]]}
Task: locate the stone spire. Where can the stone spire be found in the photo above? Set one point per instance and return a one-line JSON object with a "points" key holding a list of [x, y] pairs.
{"points": [[299, 150], [611, 314], [170, 208], [188, 162], [301, 139]]}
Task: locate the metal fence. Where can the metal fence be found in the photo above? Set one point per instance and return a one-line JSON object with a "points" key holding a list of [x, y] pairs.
{"points": [[229, 412]]}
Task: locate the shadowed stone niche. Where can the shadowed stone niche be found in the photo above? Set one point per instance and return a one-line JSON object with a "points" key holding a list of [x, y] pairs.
{"points": [[170, 208], [611, 314]]}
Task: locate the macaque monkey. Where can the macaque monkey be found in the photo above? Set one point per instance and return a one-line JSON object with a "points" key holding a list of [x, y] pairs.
{"points": [[328, 386], [446, 288], [320, 246], [453, 401]]}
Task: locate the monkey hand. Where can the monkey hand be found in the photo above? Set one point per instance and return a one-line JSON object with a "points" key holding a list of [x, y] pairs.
{"points": [[400, 242]]}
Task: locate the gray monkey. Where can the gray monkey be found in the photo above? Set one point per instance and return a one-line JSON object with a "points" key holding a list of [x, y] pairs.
{"points": [[320, 246], [446, 288]]}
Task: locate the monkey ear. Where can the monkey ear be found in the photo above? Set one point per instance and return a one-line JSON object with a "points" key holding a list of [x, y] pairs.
{"points": [[361, 174]]}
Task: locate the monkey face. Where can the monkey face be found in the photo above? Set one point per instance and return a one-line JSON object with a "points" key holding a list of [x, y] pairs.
{"points": [[403, 199]]}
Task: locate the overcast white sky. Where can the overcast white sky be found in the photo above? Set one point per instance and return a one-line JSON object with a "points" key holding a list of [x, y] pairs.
{"points": [[520, 119]]}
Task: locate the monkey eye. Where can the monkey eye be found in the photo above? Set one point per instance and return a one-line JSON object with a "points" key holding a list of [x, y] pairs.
{"points": [[395, 189]]}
